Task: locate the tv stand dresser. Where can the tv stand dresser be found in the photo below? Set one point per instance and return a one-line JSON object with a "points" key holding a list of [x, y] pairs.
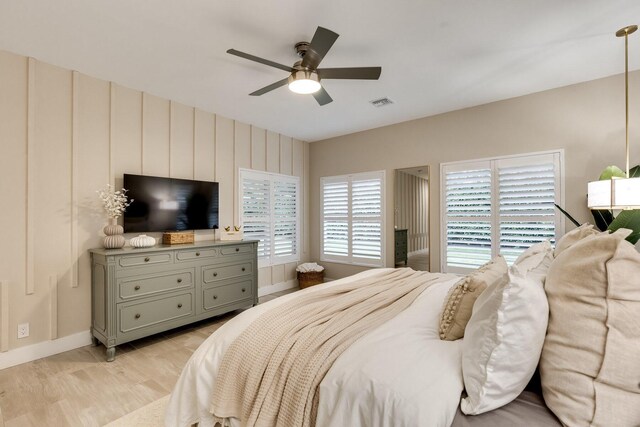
{"points": [[140, 292]]}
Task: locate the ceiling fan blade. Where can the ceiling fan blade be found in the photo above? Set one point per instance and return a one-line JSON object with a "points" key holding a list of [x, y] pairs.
{"points": [[322, 97], [260, 60], [361, 73], [322, 41], [271, 87]]}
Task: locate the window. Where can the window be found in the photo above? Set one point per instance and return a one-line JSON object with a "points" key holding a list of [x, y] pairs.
{"points": [[498, 206], [270, 213], [352, 209]]}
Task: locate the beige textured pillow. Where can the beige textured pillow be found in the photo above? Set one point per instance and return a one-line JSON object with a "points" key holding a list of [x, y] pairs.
{"points": [[590, 364], [459, 302], [535, 261], [572, 237]]}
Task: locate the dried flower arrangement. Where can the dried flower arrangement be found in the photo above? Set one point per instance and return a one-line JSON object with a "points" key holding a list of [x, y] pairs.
{"points": [[114, 202]]}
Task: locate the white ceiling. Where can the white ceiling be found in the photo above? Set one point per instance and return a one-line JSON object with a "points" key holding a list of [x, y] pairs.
{"points": [[436, 56]]}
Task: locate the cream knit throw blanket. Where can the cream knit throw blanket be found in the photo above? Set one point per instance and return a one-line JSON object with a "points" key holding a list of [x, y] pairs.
{"points": [[270, 374]]}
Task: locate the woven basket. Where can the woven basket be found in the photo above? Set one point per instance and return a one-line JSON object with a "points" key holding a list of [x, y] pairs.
{"points": [[310, 278], [177, 238]]}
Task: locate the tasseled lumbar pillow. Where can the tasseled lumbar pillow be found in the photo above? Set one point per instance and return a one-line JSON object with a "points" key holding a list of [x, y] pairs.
{"points": [[459, 302]]}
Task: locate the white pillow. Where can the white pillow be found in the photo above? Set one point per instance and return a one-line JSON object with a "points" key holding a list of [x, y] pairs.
{"points": [[504, 337]]}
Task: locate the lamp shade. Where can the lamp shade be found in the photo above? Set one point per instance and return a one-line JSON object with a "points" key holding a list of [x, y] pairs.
{"points": [[621, 193], [304, 82]]}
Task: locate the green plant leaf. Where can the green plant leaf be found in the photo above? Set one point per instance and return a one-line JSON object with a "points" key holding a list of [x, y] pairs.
{"points": [[612, 172], [634, 172], [576, 223], [602, 218], [629, 219]]}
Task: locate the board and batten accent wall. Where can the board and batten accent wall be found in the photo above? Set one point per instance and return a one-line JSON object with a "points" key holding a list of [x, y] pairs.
{"points": [[64, 135]]}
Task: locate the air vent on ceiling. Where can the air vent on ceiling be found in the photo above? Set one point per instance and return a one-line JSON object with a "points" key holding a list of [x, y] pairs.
{"points": [[381, 102]]}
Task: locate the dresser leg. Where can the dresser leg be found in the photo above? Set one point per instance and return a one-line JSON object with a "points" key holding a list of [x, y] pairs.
{"points": [[111, 354], [94, 341]]}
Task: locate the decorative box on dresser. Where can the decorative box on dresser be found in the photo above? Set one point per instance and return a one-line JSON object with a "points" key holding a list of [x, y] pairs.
{"points": [[401, 246], [140, 292]]}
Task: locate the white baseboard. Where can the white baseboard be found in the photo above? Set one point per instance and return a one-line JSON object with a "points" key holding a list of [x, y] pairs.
{"points": [[277, 287], [43, 349]]}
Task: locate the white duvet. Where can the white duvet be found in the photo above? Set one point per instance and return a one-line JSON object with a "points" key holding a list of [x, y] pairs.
{"points": [[400, 374]]}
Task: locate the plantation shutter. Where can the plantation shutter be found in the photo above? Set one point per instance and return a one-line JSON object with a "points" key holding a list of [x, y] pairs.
{"points": [[366, 213], [467, 190], [527, 192], [353, 218], [256, 212], [285, 233], [498, 207], [270, 213], [335, 213]]}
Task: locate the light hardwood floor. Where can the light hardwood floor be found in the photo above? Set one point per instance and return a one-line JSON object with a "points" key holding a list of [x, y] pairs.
{"points": [[79, 388]]}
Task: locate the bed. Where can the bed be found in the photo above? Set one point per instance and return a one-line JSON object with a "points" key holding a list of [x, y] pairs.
{"points": [[384, 379]]}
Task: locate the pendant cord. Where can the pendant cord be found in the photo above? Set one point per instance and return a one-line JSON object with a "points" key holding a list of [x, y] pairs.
{"points": [[626, 96]]}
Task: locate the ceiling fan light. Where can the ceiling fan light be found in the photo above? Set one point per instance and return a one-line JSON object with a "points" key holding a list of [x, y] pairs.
{"points": [[304, 82]]}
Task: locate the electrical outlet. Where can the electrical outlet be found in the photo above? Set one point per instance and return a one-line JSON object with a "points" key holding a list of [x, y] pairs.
{"points": [[23, 330]]}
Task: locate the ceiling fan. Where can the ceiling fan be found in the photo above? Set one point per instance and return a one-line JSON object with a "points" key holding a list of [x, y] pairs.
{"points": [[305, 75]]}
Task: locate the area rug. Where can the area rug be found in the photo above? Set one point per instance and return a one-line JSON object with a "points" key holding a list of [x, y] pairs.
{"points": [[151, 415]]}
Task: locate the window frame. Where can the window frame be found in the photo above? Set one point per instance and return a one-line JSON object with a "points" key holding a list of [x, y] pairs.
{"points": [[350, 259], [494, 217], [272, 178]]}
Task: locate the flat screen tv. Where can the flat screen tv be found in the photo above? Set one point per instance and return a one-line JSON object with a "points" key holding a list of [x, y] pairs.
{"points": [[168, 204]]}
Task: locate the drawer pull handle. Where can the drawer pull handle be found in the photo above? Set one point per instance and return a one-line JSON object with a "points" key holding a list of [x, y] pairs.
{"points": [[147, 259], [197, 253], [179, 280], [215, 297], [243, 289], [215, 274], [243, 269], [136, 288], [237, 249], [137, 315], [179, 305]]}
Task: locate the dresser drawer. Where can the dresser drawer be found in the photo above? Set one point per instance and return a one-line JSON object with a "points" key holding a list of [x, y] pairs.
{"points": [[192, 254], [145, 314], [227, 294], [128, 261], [235, 250], [227, 271], [151, 284]]}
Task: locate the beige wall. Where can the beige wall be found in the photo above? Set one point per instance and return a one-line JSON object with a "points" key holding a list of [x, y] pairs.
{"points": [[586, 120], [64, 135]]}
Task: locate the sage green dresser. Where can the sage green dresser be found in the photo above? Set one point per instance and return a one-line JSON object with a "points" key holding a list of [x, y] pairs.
{"points": [[140, 292]]}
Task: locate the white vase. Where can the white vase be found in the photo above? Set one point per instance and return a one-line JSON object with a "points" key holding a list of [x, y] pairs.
{"points": [[114, 238], [142, 241]]}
